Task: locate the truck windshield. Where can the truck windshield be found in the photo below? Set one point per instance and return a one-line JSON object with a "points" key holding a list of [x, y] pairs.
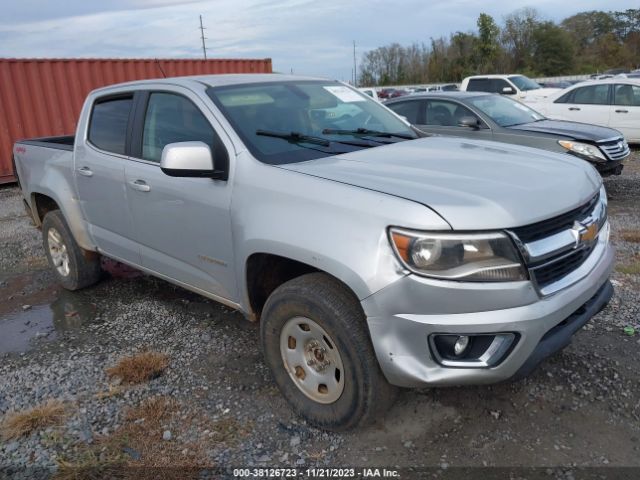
{"points": [[504, 111], [293, 121], [524, 83]]}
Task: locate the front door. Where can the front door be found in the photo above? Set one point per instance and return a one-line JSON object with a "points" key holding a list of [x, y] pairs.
{"points": [[182, 225], [99, 165]]}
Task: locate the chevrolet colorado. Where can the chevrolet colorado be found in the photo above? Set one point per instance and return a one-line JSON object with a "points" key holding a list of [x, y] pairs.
{"points": [[372, 258]]}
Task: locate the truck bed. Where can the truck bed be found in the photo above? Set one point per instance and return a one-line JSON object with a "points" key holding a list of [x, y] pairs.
{"points": [[63, 142]]}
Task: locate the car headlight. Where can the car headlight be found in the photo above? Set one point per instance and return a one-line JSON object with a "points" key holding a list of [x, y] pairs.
{"points": [[477, 257], [585, 150]]}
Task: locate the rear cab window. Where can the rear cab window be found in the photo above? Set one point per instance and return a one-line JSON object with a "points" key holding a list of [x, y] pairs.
{"points": [[478, 85], [109, 122]]}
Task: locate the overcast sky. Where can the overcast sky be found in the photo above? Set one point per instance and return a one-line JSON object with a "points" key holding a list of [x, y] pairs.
{"points": [[307, 36]]}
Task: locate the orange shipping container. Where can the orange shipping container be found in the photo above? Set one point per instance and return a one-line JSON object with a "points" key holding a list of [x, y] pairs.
{"points": [[43, 97]]}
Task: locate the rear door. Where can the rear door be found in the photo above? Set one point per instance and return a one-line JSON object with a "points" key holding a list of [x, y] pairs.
{"points": [[182, 225], [588, 104], [442, 117], [625, 111], [99, 163]]}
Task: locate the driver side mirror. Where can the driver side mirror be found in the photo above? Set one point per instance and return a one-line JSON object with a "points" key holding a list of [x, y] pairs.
{"points": [[508, 91], [469, 122], [189, 159]]}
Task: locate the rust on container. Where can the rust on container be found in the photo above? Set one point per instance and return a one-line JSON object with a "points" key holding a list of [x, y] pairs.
{"points": [[43, 97]]}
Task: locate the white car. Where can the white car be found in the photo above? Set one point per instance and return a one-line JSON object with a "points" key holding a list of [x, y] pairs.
{"points": [[522, 88], [614, 103]]}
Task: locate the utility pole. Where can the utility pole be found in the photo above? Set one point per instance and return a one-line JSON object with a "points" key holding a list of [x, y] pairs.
{"points": [[355, 72], [204, 47]]}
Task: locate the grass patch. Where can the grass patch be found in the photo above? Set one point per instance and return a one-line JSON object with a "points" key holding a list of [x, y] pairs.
{"points": [[19, 424], [139, 368], [632, 236], [139, 443], [632, 268]]}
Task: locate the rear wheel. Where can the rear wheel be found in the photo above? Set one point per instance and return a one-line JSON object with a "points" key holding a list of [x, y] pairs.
{"points": [[315, 341], [74, 267]]}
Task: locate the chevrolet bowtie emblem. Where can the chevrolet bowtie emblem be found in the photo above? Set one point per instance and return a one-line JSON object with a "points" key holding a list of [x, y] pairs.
{"points": [[584, 233]]}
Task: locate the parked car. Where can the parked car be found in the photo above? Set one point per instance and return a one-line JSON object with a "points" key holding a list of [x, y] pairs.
{"points": [[449, 87], [522, 88], [613, 103], [370, 257], [370, 91], [488, 116], [387, 93]]}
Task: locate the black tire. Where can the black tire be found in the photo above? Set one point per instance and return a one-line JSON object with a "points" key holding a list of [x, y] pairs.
{"points": [[83, 267], [366, 394]]}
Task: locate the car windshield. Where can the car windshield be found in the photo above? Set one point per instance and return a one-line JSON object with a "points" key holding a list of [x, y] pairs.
{"points": [[524, 83], [504, 111], [294, 121]]}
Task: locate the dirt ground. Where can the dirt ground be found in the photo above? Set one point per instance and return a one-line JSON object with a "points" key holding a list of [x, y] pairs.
{"points": [[580, 408]]}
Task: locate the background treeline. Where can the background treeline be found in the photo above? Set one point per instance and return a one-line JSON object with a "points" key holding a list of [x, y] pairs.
{"points": [[525, 43]]}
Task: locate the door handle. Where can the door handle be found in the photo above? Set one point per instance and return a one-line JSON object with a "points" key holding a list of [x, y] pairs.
{"points": [[622, 111], [85, 171], [574, 108], [140, 185]]}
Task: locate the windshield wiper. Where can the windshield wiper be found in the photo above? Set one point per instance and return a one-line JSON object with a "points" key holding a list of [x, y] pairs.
{"points": [[298, 138], [295, 137], [367, 132]]}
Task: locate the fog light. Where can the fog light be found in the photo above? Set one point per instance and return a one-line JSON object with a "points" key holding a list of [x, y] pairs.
{"points": [[481, 350], [461, 345]]}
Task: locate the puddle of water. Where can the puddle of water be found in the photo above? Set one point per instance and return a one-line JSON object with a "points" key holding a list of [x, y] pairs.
{"points": [[68, 312]]}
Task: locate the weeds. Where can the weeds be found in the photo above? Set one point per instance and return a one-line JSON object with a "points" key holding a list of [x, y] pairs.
{"points": [[18, 424], [139, 368]]}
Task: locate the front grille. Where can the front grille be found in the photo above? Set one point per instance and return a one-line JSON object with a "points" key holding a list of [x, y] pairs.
{"points": [[615, 149], [555, 270], [546, 228], [546, 268]]}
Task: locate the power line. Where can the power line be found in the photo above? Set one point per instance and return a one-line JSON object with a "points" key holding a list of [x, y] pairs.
{"points": [[204, 46]]}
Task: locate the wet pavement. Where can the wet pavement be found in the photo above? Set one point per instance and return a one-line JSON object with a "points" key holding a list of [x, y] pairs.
{"points": [[63, 312]]}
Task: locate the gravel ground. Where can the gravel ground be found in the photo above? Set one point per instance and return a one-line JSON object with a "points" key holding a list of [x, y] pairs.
{"points": [[580, 408]]}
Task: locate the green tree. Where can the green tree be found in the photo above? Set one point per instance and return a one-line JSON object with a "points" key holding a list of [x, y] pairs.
{"points": [[552, 52], [487, 46]]}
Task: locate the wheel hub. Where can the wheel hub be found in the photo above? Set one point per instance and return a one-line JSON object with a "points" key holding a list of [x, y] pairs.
{"points": [[312, 360], [58, 252], [316, 356]]}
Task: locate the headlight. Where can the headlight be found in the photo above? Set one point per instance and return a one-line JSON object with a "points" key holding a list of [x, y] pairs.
{"points": [[481, 257], [584, 150]]}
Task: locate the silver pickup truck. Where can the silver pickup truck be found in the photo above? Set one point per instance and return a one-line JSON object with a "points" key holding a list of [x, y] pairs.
{"points": [[372, 258]]}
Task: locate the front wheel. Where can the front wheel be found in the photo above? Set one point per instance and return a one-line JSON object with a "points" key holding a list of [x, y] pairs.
{"points": [[74, 267], [316, 343]]}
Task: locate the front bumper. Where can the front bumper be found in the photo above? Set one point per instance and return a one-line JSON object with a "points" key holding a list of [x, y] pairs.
{"points": [[400, 338], [611, 167]]}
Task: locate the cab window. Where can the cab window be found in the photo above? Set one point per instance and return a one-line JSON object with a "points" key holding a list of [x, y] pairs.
{"points": [[172, 118], [108, 123]]}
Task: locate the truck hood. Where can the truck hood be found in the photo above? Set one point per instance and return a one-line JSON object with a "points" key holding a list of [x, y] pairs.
{"points": [[539, 94], [473, 185], [573, 130]]}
